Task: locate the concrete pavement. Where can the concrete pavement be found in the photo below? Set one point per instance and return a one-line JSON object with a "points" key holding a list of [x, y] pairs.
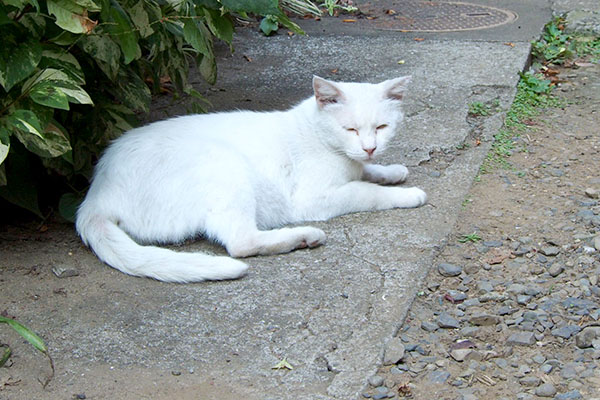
{"points": [[327, 311]]}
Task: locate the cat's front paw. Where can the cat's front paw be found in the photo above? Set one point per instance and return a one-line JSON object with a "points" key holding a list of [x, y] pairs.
{"points": [[311, 237], [385, 174], [396, 173]]}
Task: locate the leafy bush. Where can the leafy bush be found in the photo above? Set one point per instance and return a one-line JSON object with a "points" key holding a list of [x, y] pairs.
{"points": [[75, 74]]}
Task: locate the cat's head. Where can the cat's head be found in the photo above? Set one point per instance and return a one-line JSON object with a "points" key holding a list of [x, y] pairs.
{"points": [[360, 118]]}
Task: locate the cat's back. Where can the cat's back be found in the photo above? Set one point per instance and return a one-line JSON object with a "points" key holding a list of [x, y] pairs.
{"points": [[236, 128]]}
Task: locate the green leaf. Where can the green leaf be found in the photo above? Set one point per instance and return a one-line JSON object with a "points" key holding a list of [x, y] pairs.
{"points": [[54, 142], [269, 25], [141, 20], [57, 58], [132, 91], [4, 19], [16, 3], [65, 38], [26, 333], [283, 364], [3, 180], [105, 52], [54, 88], [5, 355], [208, 69], [68, 204], [18, 61], [124, 33], [196, 34], [25, 121], [288, 23], [47, 94], [88, 5], [68, 15], [220, 25], [261, 7], [35, 24], [75, 93], [210, 4], [4, 148]]}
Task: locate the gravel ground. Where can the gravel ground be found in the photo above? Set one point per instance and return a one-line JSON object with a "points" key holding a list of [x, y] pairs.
{"points": [[516, 315]]}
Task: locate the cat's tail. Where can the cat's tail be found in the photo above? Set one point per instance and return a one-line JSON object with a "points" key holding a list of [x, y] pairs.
{"points": [[113, 246]]}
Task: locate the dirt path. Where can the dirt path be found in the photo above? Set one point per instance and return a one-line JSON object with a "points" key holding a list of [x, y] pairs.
{"points": [[510, 324]]}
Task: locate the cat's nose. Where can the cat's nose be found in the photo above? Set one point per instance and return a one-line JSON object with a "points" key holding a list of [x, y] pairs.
{"points": [[370, 151]]}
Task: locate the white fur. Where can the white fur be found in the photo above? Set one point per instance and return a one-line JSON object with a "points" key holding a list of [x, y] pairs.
{"points": [[235, 177]]}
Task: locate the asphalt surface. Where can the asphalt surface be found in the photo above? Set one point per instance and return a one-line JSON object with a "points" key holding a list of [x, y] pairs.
{"points": [[327, 311]]}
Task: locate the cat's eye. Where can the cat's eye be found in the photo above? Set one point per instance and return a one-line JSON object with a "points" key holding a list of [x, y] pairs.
{"points": [[382, 126], [352, 130]]}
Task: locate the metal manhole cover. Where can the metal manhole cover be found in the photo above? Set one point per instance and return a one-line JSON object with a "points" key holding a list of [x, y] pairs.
{"points": [[434, 16]]}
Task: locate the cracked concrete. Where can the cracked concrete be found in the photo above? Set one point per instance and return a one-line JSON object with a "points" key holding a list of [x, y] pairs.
{"points": [[327, 311]]}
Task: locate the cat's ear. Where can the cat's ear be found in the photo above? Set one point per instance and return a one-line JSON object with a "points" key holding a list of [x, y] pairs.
{"points": [[326, 92], [394, 89]]}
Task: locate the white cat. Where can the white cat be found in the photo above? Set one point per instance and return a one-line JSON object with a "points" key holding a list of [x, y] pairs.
{"points": [[234, 177]]}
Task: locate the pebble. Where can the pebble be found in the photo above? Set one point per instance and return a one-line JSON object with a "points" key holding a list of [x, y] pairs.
{"points": [[597, 242], [550, 251], [592, 193], [429, 326], [530, 381], [446, 321], [555, 270], [571, 395], [484, 287], [457, 295], [484, 319], [492, 243], [586, 337], [556, 172], [545, 390], [65, 272], [438, 376], [521, 339], [469, 331], [460, 354], [566, 332], [376, 380], [546, 368], [394, 351], [446, 269], [516, 288]]}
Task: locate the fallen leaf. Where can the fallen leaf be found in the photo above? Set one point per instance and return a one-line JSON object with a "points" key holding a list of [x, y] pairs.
{"points": [[348, 20], [451, 299], [248, 58], [551, 72], [401, 62], [404, 390], [584, 64], [419, 39], [509, 44], [390, 12], [334, 71], [477, 142], [496, 256], [283, 364], [290, 33]]}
